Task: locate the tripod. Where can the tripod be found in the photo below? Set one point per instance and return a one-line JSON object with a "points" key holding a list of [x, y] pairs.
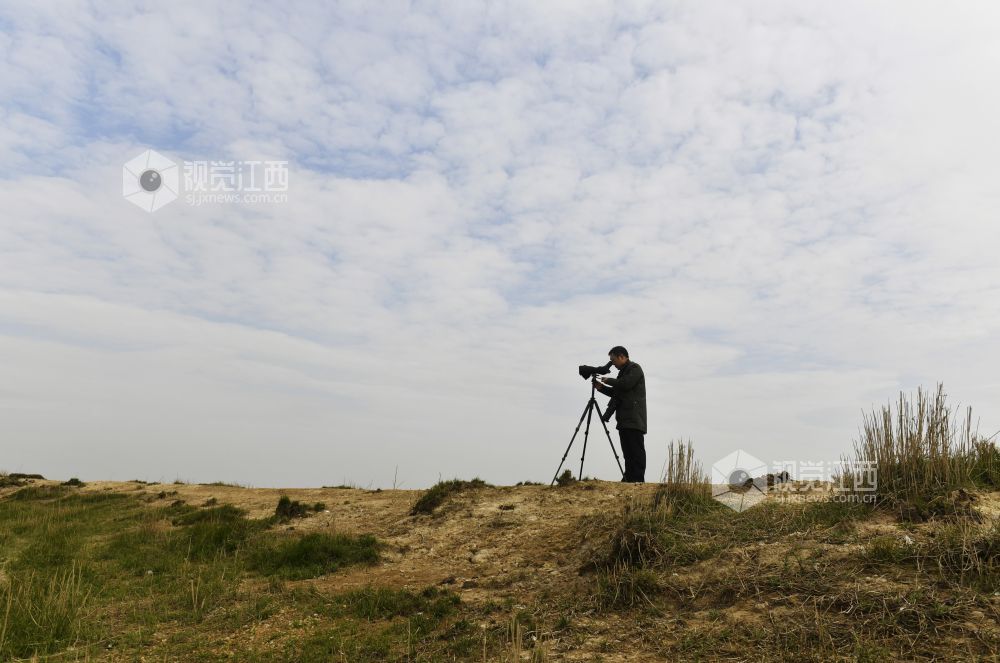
{"points": [[587, 412]]}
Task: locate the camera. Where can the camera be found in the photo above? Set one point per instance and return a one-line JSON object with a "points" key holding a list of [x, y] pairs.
{"points": [[587, 372]]}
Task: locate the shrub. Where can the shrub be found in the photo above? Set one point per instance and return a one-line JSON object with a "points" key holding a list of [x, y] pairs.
{"points": [[288, 509], [436, 494], [8, 480], [566, 478]]}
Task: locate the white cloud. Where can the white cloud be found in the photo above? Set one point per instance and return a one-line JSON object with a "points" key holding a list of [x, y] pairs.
{"points": [[786, 212]]}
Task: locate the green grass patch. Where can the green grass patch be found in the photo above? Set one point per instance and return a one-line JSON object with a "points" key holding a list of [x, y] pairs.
{"points": [[49, 582], [624, 586], [313, 555], [226, 513], [386, 624], [887, 550], [89, 569], [40, 493], [42, 614], [373, 603]]}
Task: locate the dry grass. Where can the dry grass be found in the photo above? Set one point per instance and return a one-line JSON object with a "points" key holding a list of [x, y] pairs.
{"points": [[685, 484], [777, 581], [646, 534], [912, 456], [967, 553]]}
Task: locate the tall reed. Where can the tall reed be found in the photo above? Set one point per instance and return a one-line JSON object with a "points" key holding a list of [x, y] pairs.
{"points": [[685, 483], [918, 450]]}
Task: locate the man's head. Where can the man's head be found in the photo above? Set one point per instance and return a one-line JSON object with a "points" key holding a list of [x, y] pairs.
{"points": [[618, 355]]}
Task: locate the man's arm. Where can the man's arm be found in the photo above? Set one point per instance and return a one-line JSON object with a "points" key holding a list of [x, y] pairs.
{"points": [[610, 409], [627, 381], [604, 389]]}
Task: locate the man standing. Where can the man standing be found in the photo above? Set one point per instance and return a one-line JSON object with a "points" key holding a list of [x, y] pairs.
{"points": [[628, 393]]}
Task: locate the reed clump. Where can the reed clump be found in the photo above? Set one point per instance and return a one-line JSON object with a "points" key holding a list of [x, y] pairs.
{"points": [[919, 458]]}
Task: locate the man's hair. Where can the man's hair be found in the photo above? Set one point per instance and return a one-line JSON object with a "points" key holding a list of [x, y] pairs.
{"points": [[618, 351]]}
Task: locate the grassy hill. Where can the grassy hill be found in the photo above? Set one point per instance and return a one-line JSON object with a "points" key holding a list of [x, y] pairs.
{"points": [[589, 571]]}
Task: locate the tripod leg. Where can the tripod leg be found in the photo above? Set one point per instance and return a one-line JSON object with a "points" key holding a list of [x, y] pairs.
{"points": [[606, 432], [586, 433], [578, 424]]}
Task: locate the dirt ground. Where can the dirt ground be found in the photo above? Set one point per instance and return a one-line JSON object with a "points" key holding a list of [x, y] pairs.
{"points": [[484, 544], [477, 541]]}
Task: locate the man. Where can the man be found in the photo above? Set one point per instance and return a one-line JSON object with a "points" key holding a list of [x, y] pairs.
{"points": [[628, 402]]}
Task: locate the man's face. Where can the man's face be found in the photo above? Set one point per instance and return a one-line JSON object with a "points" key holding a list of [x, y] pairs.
{"points": [[618, 360]]}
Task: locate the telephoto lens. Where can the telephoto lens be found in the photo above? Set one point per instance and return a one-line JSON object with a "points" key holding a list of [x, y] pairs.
{"points": [[587, 372]]}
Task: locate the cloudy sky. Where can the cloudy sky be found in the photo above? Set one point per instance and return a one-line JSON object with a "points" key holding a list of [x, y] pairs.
{"points": [[786, 211]]}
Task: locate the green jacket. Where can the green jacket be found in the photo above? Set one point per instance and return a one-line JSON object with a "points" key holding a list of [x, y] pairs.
{"points": [[628, 393]]}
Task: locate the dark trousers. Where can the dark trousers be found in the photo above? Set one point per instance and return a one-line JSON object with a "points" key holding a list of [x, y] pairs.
{"points": [[634, 451]]}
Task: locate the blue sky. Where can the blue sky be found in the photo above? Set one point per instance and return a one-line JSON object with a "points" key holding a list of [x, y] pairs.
{"points": [[786, 211]]}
